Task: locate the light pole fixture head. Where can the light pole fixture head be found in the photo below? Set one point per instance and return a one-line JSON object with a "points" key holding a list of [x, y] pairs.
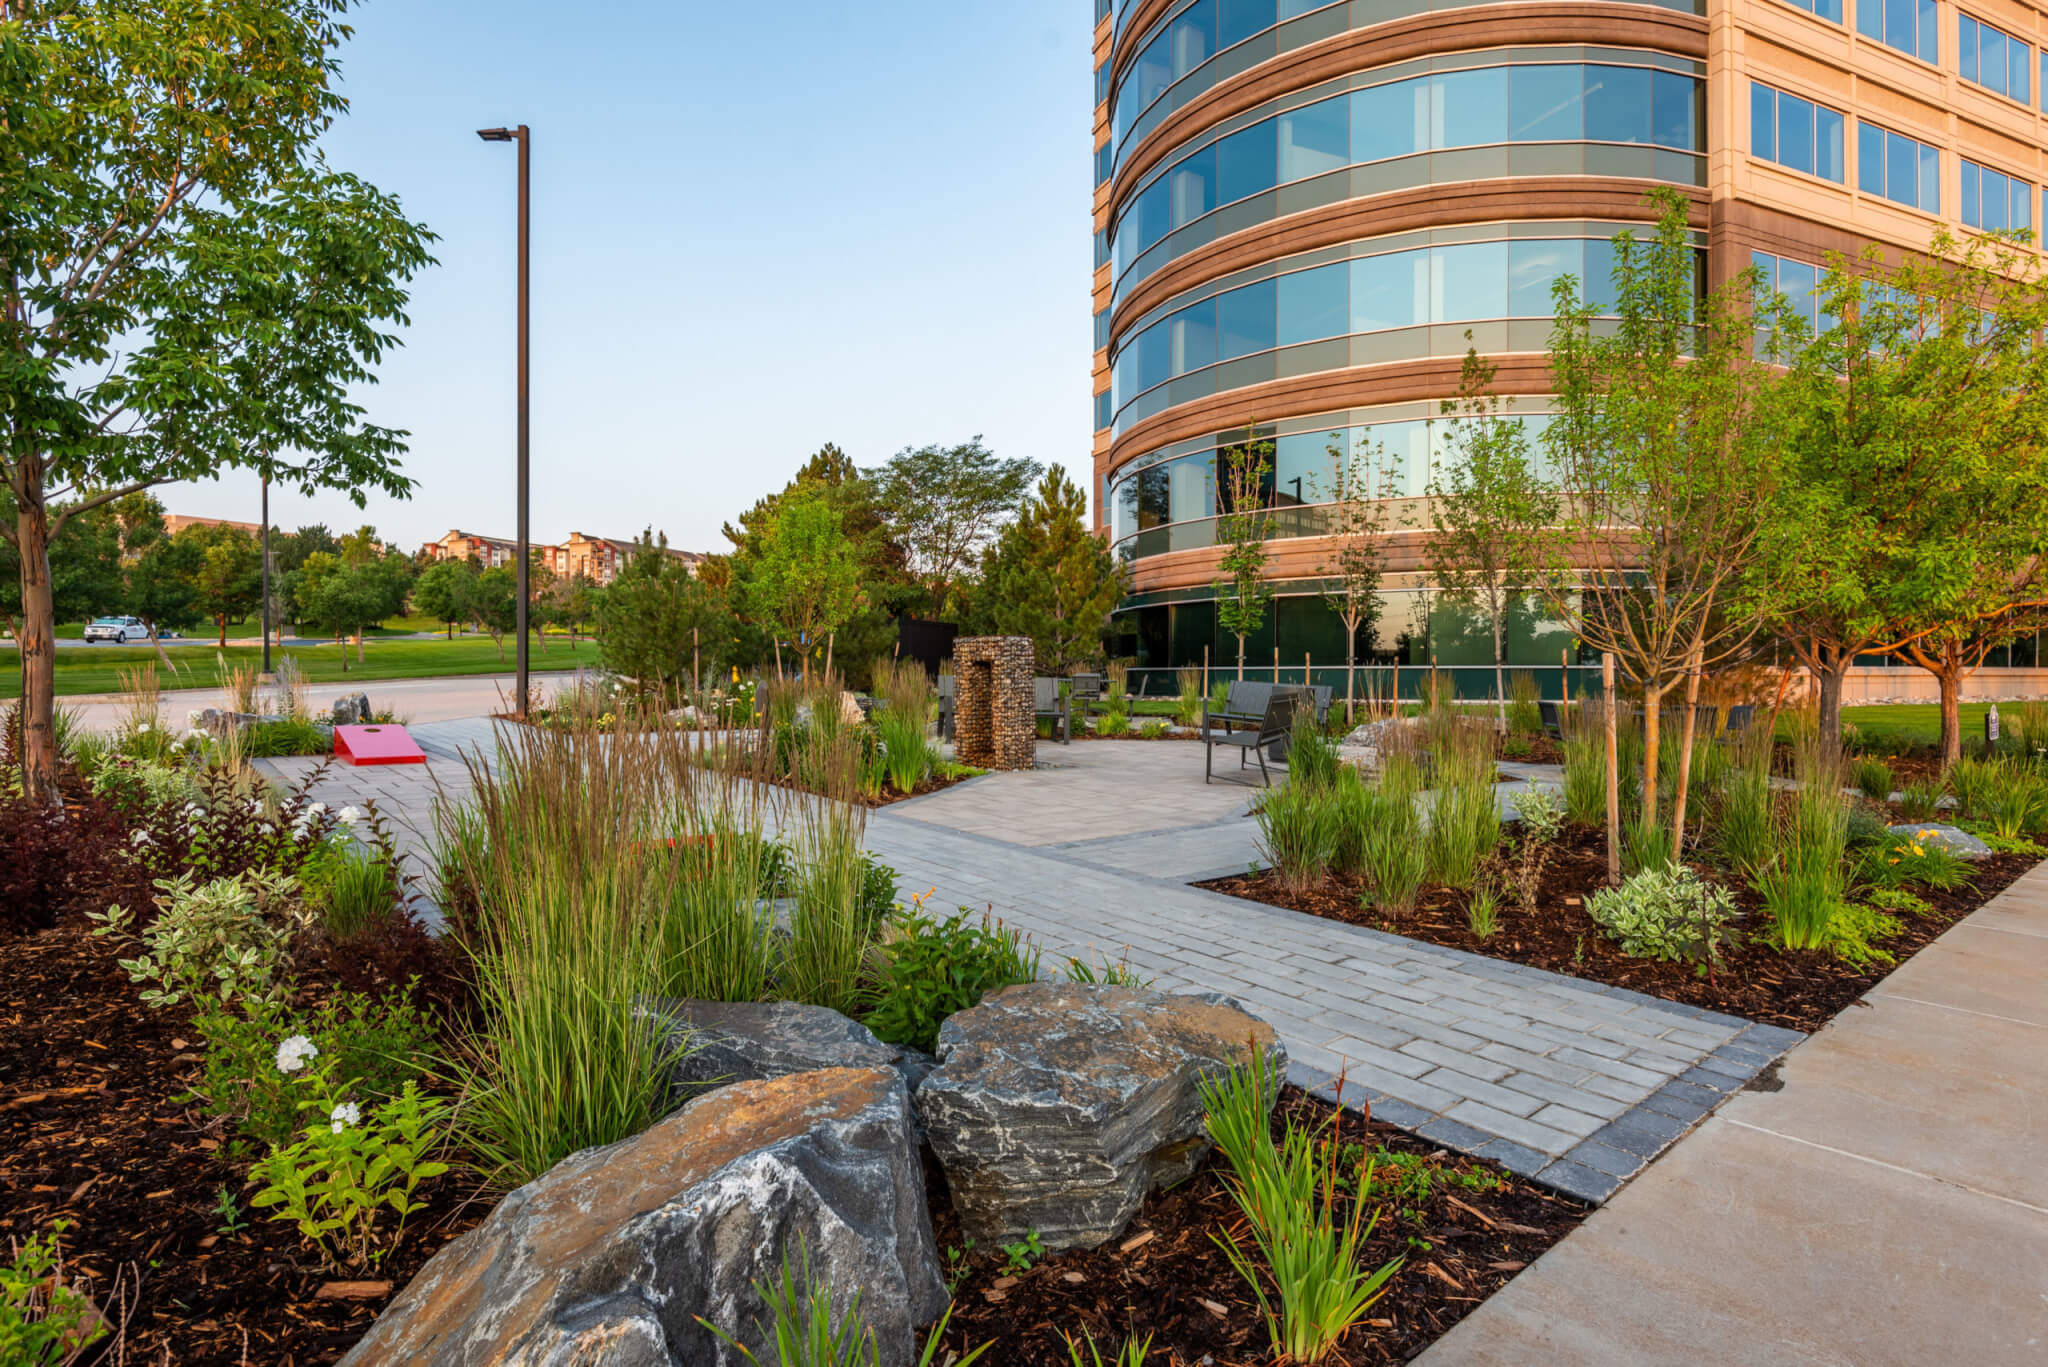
{"points": [[497, 134]]}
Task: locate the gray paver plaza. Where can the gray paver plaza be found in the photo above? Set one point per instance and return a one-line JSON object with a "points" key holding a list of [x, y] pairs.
{"points": [[1572, 1082]]}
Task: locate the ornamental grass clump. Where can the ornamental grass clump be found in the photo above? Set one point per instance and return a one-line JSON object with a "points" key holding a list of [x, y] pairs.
{"points": [[1189, 682], [831, 928], [584, 918], [1311, 754], [1308, 1232], [1804, 885], [1525, 712], [905, 713], [1389, 841], [1298, 832], [1585, 774], [1873, 778], [1744, 816], [2015, 800]]}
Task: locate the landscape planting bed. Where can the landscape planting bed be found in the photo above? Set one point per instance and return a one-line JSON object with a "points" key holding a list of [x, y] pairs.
{"points": [[93, 1131], [1465, 1228], [1801, 989]]}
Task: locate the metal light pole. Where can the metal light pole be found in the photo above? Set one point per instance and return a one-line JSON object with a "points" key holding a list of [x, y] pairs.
{"points": [[266, 575], [524, 137]]}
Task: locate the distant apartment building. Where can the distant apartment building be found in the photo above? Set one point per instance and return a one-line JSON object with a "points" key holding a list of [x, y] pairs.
{"points": [[600, 558], [178, 522], [597, 558], [489, 551]]}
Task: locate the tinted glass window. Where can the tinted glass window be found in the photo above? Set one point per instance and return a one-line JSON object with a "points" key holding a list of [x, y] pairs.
{"points": [[1314, 304], [1618, 104], [1547, 103], [1244, 320], [1468, 108], [1191, 187], [1391, 120], [1390, 291], [1314, 139], [1244, 163], [1470, 281], [1194, 337], [1533, 268]]}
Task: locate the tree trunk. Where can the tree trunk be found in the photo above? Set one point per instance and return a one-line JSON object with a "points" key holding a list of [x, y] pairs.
{"points": [[1240, 657], [37, 640], [830, 637], [1948, 672], [1830, 667], [221, 618], [1350, 673]]}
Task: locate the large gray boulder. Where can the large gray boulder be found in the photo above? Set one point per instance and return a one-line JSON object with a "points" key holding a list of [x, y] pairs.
{"points": [[1058, 1106], [610, 1255], [742, 1041]]}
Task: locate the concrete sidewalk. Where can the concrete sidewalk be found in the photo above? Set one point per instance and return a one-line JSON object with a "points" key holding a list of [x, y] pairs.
{"points": [[1881, 1197]]}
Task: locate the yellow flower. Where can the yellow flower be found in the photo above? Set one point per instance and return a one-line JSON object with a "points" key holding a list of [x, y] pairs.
{"points": [[1918, 853]]}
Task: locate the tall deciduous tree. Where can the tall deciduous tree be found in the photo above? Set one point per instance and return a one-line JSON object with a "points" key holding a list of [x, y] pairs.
{"points": [[1243, 524], [1050, 578], [945, 504], [184, 284], [806, 581], [1362, 485], [1482, 499], [1663, 452], [229, 581], [446, 589], [1914, 503]]}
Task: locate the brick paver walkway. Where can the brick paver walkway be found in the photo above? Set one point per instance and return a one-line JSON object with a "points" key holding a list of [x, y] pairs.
{"points": [[1573, 1082]]}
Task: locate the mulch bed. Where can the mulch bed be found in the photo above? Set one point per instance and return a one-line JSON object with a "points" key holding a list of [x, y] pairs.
{"points": [[1167, 1277], [1802, 989], [90, 1133], [1535, 750]]}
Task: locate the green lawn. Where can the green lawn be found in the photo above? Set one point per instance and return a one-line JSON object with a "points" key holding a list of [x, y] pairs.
{"points": [[1906, 725], [94, 669]]}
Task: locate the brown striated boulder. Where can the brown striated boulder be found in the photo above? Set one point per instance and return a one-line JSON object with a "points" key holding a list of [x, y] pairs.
{"points": [[610, 1255], [1058, 1106]]}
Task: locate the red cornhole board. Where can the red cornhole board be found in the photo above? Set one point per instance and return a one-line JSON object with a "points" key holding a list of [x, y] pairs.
{"points": [[376, 745]]}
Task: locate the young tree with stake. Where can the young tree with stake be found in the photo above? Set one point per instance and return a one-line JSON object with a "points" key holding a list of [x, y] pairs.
{"points": [[1244, 522]]}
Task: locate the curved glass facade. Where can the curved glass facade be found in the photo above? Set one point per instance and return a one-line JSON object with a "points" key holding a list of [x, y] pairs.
{"points": [[1167, 501], [1199, 44], [1363, 303], [1409, 124]]}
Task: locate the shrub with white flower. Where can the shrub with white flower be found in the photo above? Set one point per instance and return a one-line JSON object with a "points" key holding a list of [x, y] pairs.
{"points": [[349, 816], [141, 838], [344, 1115], [293, 1054]]}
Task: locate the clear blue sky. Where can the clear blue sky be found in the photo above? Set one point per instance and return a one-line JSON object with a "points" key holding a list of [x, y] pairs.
{"points": [[757, 228]]}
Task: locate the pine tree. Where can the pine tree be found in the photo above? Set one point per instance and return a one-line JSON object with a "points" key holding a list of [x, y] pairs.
{"points": [[1050, 578]]}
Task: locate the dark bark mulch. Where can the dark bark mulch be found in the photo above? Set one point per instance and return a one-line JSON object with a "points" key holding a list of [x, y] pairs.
{"points": [[1529, 749], [1475, 1228], [1802, 989], [90, 1134]]}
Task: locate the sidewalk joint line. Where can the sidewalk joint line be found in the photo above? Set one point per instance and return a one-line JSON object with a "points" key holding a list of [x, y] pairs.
{"points": [[1944, 1006], [1892, 1167]]}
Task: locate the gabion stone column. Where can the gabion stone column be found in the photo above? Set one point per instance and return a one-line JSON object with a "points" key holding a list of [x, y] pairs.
{"points": [[994, 704]]}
